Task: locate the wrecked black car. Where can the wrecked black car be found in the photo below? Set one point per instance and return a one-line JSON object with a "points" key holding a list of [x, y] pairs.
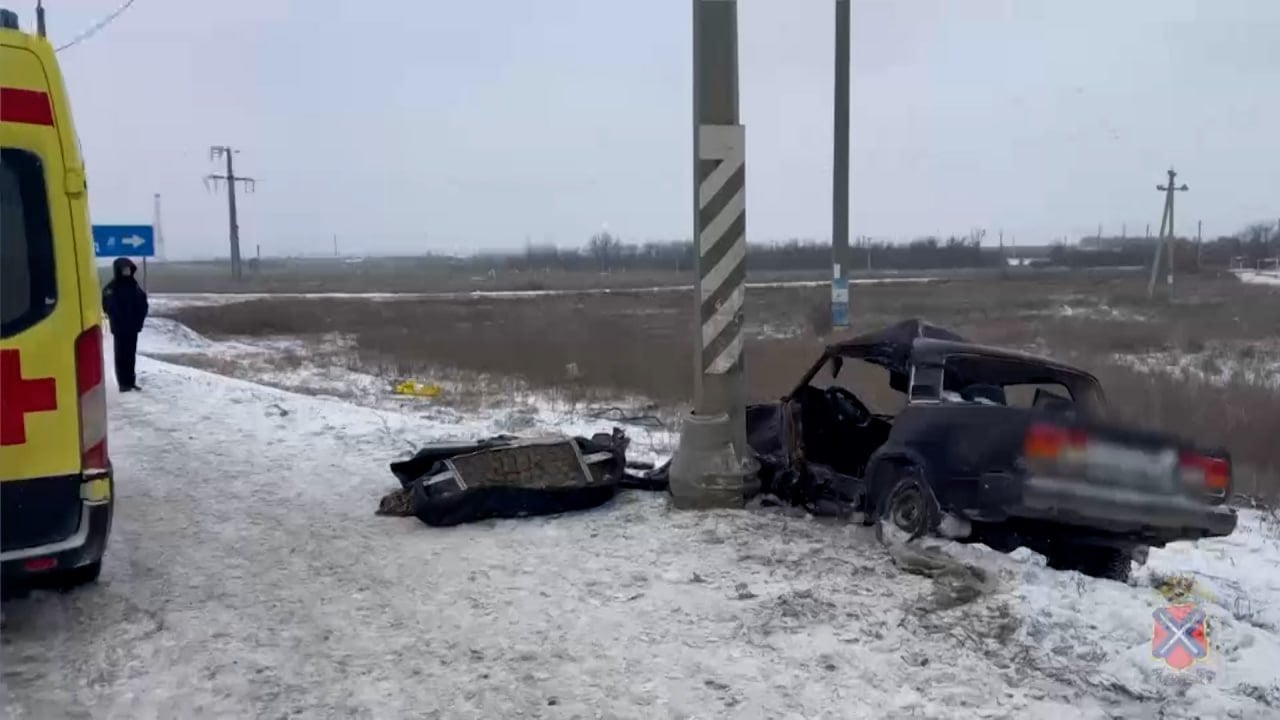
{"points": [[985, 445]]}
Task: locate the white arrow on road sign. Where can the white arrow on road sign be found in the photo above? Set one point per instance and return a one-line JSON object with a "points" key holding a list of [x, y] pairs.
{"points": [[135, 241]]}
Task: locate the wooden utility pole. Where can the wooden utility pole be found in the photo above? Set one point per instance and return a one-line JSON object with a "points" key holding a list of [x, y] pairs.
{"points": [[217, 152], [1167, 233]]}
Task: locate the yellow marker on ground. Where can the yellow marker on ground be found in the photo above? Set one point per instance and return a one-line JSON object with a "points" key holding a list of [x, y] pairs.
{"points": [[418, 389]]}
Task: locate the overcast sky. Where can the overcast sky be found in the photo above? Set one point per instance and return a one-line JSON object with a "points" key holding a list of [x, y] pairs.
{"points": [[453, 126]]}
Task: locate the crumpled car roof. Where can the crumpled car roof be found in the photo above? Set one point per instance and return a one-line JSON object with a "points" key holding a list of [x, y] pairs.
{"points": [[891, 346]]}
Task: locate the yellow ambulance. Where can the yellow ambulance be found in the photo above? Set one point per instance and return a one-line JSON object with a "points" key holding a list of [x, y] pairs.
{"points": [[55, 474]]}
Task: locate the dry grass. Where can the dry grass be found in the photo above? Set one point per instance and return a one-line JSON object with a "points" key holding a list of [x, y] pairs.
{"points": [[642, 342]]}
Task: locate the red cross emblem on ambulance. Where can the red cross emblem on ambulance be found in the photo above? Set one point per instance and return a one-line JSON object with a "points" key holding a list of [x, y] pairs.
{"points": [[20, 396]]}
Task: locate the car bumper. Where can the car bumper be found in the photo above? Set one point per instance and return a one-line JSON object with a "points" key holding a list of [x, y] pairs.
{"points": [[83, 547], [1120, 510]]}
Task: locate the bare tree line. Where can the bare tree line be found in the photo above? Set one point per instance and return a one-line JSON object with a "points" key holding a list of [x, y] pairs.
{"points": [[605, 252]]}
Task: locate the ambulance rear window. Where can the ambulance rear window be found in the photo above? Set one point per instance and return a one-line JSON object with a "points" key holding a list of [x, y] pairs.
{"points": [[28, 286]]}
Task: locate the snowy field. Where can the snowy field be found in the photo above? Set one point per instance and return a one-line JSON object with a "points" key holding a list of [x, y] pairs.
{"points": [[168, 301], [1220, 363], [247, 576], [1259, 277]]}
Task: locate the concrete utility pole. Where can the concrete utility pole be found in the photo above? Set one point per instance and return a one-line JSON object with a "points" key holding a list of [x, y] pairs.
{"points": [[159, 233], [710, 462], [1199, 244], [217, 152], [840, 176], [1167, 233]]}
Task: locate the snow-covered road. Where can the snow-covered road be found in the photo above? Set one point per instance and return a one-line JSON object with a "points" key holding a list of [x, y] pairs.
{"points": [[247, 576]]}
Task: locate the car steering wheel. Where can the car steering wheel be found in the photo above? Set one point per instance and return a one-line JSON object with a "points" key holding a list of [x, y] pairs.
{"points": [[847, 405]]}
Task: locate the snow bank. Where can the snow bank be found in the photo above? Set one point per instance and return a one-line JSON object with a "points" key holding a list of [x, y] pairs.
{"points": [[491, 408], [163, 336]]}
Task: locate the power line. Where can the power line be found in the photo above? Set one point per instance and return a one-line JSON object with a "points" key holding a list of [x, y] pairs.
{"points": [[93, 30], [1169, 239], [221, 151]]}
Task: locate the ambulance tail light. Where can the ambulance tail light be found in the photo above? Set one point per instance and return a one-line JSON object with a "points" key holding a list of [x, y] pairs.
{"points": [[92, 387], [29, 107]]}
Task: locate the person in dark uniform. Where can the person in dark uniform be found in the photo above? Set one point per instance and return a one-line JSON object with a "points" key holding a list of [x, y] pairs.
{"points": [[125, 303]]}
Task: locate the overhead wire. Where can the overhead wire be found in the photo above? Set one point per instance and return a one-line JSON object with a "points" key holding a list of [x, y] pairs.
{"points": [[96, 27]]}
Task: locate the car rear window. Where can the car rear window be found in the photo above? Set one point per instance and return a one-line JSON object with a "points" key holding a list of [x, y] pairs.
{"points": [[28, 286]]}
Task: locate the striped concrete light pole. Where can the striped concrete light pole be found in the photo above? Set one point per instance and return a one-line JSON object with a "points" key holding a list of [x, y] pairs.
{"points": [[720, 213], [707, 469]]}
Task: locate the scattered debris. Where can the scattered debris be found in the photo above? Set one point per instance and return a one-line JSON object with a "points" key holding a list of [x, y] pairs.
{"points": [[397, 503], [1040, 472], [416, 388], [451, 483], [624, 417]]}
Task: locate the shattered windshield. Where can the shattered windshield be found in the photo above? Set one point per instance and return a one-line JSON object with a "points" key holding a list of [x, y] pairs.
{"points": [[867, 381]]}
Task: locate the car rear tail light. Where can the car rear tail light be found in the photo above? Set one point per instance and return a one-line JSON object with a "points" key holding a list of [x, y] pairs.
{"points": [[92, 387], [1051, 442], [40, 564], [1204, 473]]}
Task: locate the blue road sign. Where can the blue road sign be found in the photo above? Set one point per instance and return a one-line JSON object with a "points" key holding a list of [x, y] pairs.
{"points": [[124, 241]]}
